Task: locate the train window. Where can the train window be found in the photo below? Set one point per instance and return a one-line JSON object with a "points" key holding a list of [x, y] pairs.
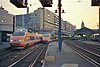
{"points": [[37, 37], [46, 35], [21, 33], [32, 38]]}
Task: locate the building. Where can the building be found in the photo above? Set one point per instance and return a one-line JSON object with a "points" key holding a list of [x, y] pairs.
{"points": [[6, 21], [22, 21], [43, 20], [40, 20], [69, 28], [6, 25]]}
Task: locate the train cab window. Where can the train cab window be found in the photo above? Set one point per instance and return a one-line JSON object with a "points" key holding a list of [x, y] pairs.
{"points": [[19, 33], [46, 35], [32, 38]]}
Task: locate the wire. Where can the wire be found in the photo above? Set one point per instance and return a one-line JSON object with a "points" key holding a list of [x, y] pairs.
{"points": [[83, 13]]}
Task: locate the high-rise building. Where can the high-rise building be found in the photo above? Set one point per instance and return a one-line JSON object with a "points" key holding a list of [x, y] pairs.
{"points": [[45, 18], [42, 20]]}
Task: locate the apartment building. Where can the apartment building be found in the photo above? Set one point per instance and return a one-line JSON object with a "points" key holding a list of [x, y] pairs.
{"points": [[43, 20]]}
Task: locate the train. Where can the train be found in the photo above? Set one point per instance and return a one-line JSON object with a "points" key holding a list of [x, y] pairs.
{"points": [[49, 38], [46, 37], [94, 37], [21, 39]]}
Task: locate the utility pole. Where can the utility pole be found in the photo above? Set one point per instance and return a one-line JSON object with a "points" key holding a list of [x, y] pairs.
{"points": [[28, 17], [43, 19], [99, 23], [1, 3], [59, 31], [97, 3], [27, 10]]}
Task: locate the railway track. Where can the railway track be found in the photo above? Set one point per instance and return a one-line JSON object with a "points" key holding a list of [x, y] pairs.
{"points": [[5, 53], [30, 59], [88, 51], [10, 57], [24, 58]]}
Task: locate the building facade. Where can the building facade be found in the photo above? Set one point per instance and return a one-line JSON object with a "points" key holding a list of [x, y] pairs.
{"points": [[22, 21], [43, 20], [6, 21], [69, 28]]}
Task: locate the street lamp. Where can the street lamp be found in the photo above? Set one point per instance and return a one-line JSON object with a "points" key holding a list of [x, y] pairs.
{"points": [[59, 29], [61, 12]]}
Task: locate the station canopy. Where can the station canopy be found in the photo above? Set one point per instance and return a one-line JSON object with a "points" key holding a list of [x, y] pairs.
{"points": [[84, 31]]}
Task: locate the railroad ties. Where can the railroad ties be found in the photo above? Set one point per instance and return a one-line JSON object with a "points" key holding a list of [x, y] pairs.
{"points": [[28, 57], [88, 51]]}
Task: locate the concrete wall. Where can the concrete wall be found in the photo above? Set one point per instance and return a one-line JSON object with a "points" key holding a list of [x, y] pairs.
{"points": [[6, 20]]}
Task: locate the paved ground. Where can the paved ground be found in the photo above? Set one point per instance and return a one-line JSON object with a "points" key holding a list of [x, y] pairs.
{"points": [[66, 58]]}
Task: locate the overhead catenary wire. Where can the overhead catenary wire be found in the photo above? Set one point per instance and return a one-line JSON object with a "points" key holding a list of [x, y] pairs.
{"points": [[83, 13]]}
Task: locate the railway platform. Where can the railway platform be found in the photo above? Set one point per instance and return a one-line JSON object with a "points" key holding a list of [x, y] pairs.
{"points": [[66, 58]]}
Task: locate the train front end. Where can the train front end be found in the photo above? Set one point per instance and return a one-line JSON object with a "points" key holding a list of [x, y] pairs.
{"points": [[17, 39]]}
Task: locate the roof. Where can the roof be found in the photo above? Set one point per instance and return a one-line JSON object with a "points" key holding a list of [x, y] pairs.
{"points": [[84, 31]]}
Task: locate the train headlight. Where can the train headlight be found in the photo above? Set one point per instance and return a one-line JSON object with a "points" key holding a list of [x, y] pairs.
{"points": [[11, 40], [20, 40]]}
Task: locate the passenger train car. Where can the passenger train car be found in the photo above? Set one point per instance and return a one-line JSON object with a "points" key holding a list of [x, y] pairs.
{"points": [[22, 39]]}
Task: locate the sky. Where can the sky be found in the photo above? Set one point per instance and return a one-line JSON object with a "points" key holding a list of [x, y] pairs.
{"points": [[75, 11]]}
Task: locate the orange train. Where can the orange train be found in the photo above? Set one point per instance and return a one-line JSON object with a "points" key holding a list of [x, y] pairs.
{"points": [[22, 39]]}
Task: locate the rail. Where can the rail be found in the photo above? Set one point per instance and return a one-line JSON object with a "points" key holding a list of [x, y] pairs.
{"points": [[88, 54], [30, 59]]}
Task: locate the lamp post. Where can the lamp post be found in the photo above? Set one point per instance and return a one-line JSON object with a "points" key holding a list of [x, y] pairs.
{"points": [[59, 31]]}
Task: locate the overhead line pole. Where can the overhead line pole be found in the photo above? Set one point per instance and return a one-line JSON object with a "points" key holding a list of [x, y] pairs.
{"points": [[1, 4], [99, 23], [59, 31]]}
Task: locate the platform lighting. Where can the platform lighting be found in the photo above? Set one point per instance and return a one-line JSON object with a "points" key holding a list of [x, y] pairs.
{"points": [[19, 3], [61, 12], [95, 2], [46, 3]]}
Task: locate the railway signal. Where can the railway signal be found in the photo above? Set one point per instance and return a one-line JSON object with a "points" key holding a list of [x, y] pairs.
{"points": [[19, 3], [46, 3]]}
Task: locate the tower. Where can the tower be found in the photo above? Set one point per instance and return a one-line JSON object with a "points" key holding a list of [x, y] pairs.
{"points": [[82, 25]]}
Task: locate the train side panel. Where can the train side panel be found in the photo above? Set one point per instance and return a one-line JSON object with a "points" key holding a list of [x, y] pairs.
{"points": [[28, 39]]}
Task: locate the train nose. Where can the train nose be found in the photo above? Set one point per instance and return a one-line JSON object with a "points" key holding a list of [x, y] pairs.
{"points": [[15, 40]]}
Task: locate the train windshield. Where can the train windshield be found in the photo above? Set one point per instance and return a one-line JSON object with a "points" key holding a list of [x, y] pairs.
{"points": [[21, 33], [46, 35]]}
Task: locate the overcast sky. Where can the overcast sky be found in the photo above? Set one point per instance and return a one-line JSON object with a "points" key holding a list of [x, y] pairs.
{"points": [[75, 11]]}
